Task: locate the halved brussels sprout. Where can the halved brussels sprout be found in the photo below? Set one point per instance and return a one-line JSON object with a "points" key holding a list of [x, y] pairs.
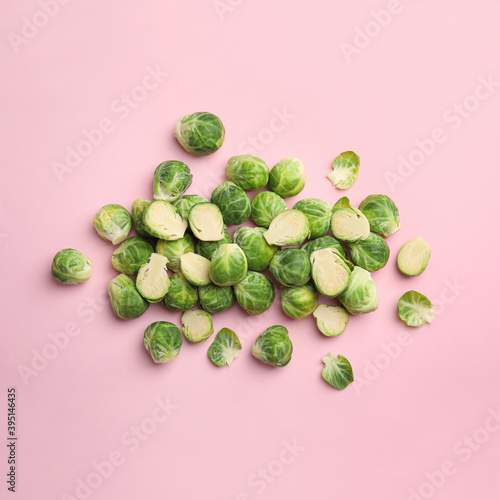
{"points": [[318, 213], [298, 301], [248, 172], [337, 371], [200, 133], [288, 177], [197, 326], [266, 206], [224, 348], [113, 223], [414, 257], [207, 248], [360, 296], [170, 180], [185, 203], [71, 267], [254, 293], [257, 250], [382, 214], [216, 299], [324, 242], [371, 254], [181, 295], [162, 221], [415, 309], [152, 279], [348, 223], [228, 265], [195, 268], [331, 320], [173, 250], [133, 253], [205, 220], [330, 271], [126, 301], [163, 341], [233, 203], [291, 267], [345, 170], [138, 208], [288, 228], [273, 347]]}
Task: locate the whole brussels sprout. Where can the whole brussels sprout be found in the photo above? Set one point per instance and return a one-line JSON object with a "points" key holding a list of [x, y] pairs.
{"points": [[345, 170], [228, 265], [71, 267], [173, 250], [138, 208], [197, 326], [248, 172], [133, 253], [273, 347], [291, 267], [257, 250], [371, 254], [414, 257], [181, 296], [162, 221], [216, 299], [205, 220], [224, 348], [254, 293], [298, 301], [266, 205], [348, 223], [330, 271], [331, 320], [200, 133], [170, 180], [288, 177], [288, 228], [152, 279], [318, 213], [324, 242], [337, 371], [233, 203], [126, 301], [113, 223], [415, 309], [360, 296], [185, 203], [382, 214], [207, 248], [195, 268], [163, 341]]}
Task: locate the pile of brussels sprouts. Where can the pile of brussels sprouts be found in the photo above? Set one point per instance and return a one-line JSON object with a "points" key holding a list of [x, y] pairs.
{"points": [[184, 254]]}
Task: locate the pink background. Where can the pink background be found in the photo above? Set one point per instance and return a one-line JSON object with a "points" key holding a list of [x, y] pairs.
{"points": [[377, 440]]}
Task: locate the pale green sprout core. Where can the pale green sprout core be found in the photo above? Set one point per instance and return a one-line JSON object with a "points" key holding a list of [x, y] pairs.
{"points": [[415, 309], [197, 326], [200, 133], [170, 180], [273, 347], [288, 177], [330, 271], [414, 257], [337, 371], [288, 228], [162, 221], [152, 279], [349, 223], [195, 269], [360, 296], [71, 267], [163, 341], [345, 170], [113, 223], [206, 222], [331, 320], [224, 348]]}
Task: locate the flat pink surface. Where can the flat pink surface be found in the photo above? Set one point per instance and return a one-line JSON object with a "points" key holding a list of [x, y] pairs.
{"points": [[422, 419]]}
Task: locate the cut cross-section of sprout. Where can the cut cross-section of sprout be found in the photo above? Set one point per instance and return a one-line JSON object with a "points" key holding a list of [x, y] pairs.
{"points": [[205, 220], [152, 279], [195, 269], [162, 221], [330, 271], [414, 257], [288, 228], [331, 320], [349, 223], [197, 326]]}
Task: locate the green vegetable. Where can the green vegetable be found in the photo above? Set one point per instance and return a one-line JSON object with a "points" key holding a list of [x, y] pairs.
{"points": [[298, 301], [232, 202], [254, 293], [113, 223], [152, 279], [170, 180], [162, 221], [216, 299], [414, 257], [224, 348], [138, 208], [133, 253], [273, 347], [248, 172], [382, 214], [173, 250], [195, 268], [205, 220], [337, 371], [318, 213], [185, 203], [331, 320], [415, 309], [360, 296], [266, 206], [181, 296], [126, 301], [257, 250], [200, 133], [348, 223], [288, 228], [288, 177], [197, 326], [330, 271], [71, 267], [345, 170], [371, 254], [207, 248], [291, 267], [163, 341], [228, 265], [324, 242]]}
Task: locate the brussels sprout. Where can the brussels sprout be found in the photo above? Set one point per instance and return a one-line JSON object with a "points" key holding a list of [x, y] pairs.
{"points": [[298, 301], [345, 170], [254, 293], [162, 221], [224, 348], [266, 206], [291, 267], [233, 203], [113, 223], [288, 177], [348, 223], [71, 267], [318, 213], [331, 320], [126, 301], [371, 254], [415, 309], [207, 248], [133, 253], [288, 228], [170, 180], [197, 326], [173, 250], [330, 271], [216, 299], [163, 341], [337, 371], [257, 250], [414, 257], [138, 208], [248, 172], [324, 242], [273, 347], [152, 279], [200, 133], [195, 268], [181, 296], [382, 214], [228, 265], [360, 296], [205, 220], [185, 203]]}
